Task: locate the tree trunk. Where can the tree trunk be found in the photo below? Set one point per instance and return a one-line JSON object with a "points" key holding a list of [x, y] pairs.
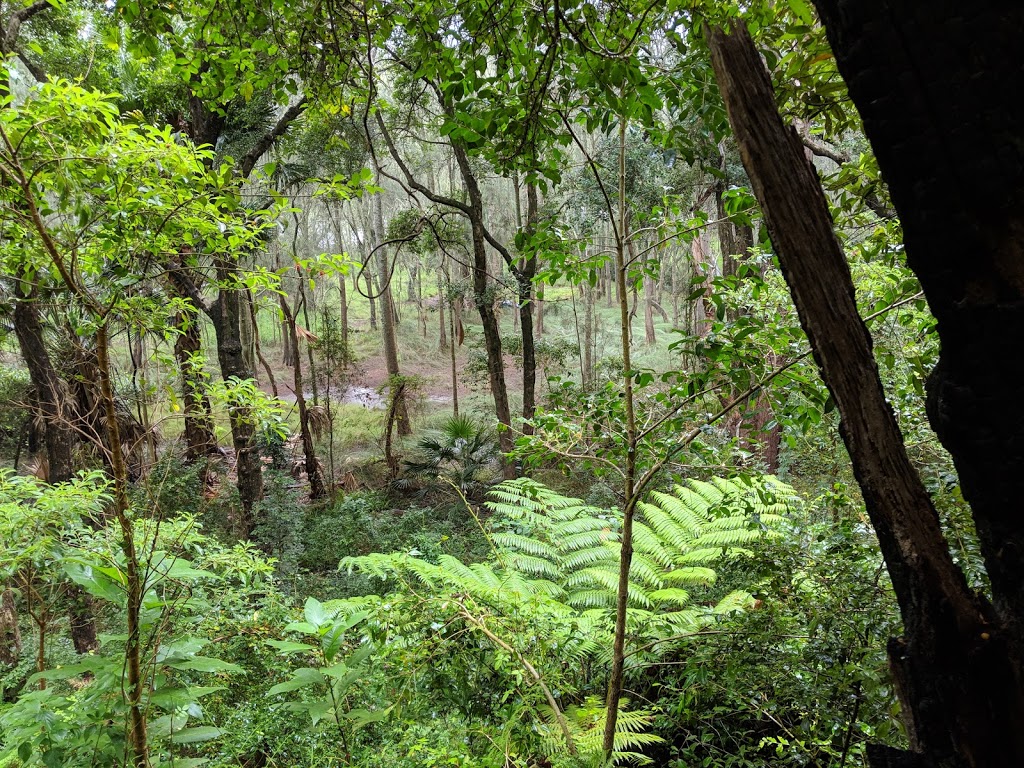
{"points": [[524, 279], [649, 301], [225, 314], [82, 621], [200, 440], [442, 341], [942, 110], [314, 476], [50, 391], [485, 306], [10, 633], [368, 271], [588, 336], [250, 300], [387, 312], [956, 668]]}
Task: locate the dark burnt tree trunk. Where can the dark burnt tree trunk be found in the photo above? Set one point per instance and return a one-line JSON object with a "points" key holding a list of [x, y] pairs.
{"points": [[225, 313], [10, 633], [317, 489], [939, 89], [52, 398], [956, 668], [200, 440], [82, 620], [524, 282]]}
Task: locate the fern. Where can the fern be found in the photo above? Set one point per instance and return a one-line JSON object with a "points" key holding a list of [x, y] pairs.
{"points": [[548, 594]]}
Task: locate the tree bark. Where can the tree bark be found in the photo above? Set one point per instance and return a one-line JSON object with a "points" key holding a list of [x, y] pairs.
{"points": [[82, 620], [485, 306], [938, 89], [50, 390], [225, 314], [317, 489], [524, 281], [200, 440], [387, 311], [955, 668], [10, 633]]}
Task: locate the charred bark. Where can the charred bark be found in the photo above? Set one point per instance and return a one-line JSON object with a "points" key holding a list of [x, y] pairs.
{"points": [[938, 87], [226, 316], [51, 393], [200, 440], [10, 633], [317, 489], [955, 668], [524, 281]]}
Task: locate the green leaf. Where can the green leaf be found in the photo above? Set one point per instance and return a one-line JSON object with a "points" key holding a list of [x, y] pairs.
{"points": [[301, 626], [179, 697], [801, 10], [206, 664], [197, 734], [287, 646], [315, 613], [301, 678]]}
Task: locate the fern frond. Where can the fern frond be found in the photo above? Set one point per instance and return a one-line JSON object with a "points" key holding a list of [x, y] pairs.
{"points": [[574, 561], [737, 600], [526, 544], [670, 595], [691, 575]]}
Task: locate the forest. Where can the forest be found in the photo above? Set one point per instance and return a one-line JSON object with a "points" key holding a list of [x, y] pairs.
{"points": [[511, 384]]}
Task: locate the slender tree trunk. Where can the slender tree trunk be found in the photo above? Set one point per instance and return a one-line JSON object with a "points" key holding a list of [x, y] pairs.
{"points": [[615, 678], [10, 633], [310, 356], [485, 306], [588, 336], [956, 668], [50, 391], [343, 300], [368, 271], [442, 341], [524, 278], [138, 743], [251, 301], [387, 312], [649, 301], [317, 490], [225, 314], [334, 216]]}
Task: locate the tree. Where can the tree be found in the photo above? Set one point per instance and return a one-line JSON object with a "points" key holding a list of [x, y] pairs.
{"points": [[958, 667]]}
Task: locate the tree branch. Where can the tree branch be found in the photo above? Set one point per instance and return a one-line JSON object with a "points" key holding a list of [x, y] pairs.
{"points": [[251, 157], [17, 19], [410, 179]]}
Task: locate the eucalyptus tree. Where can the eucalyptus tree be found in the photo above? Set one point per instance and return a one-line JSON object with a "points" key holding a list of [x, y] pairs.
{"points": [[225, 57], [942, 121], [484, 86], [100, 206]]}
